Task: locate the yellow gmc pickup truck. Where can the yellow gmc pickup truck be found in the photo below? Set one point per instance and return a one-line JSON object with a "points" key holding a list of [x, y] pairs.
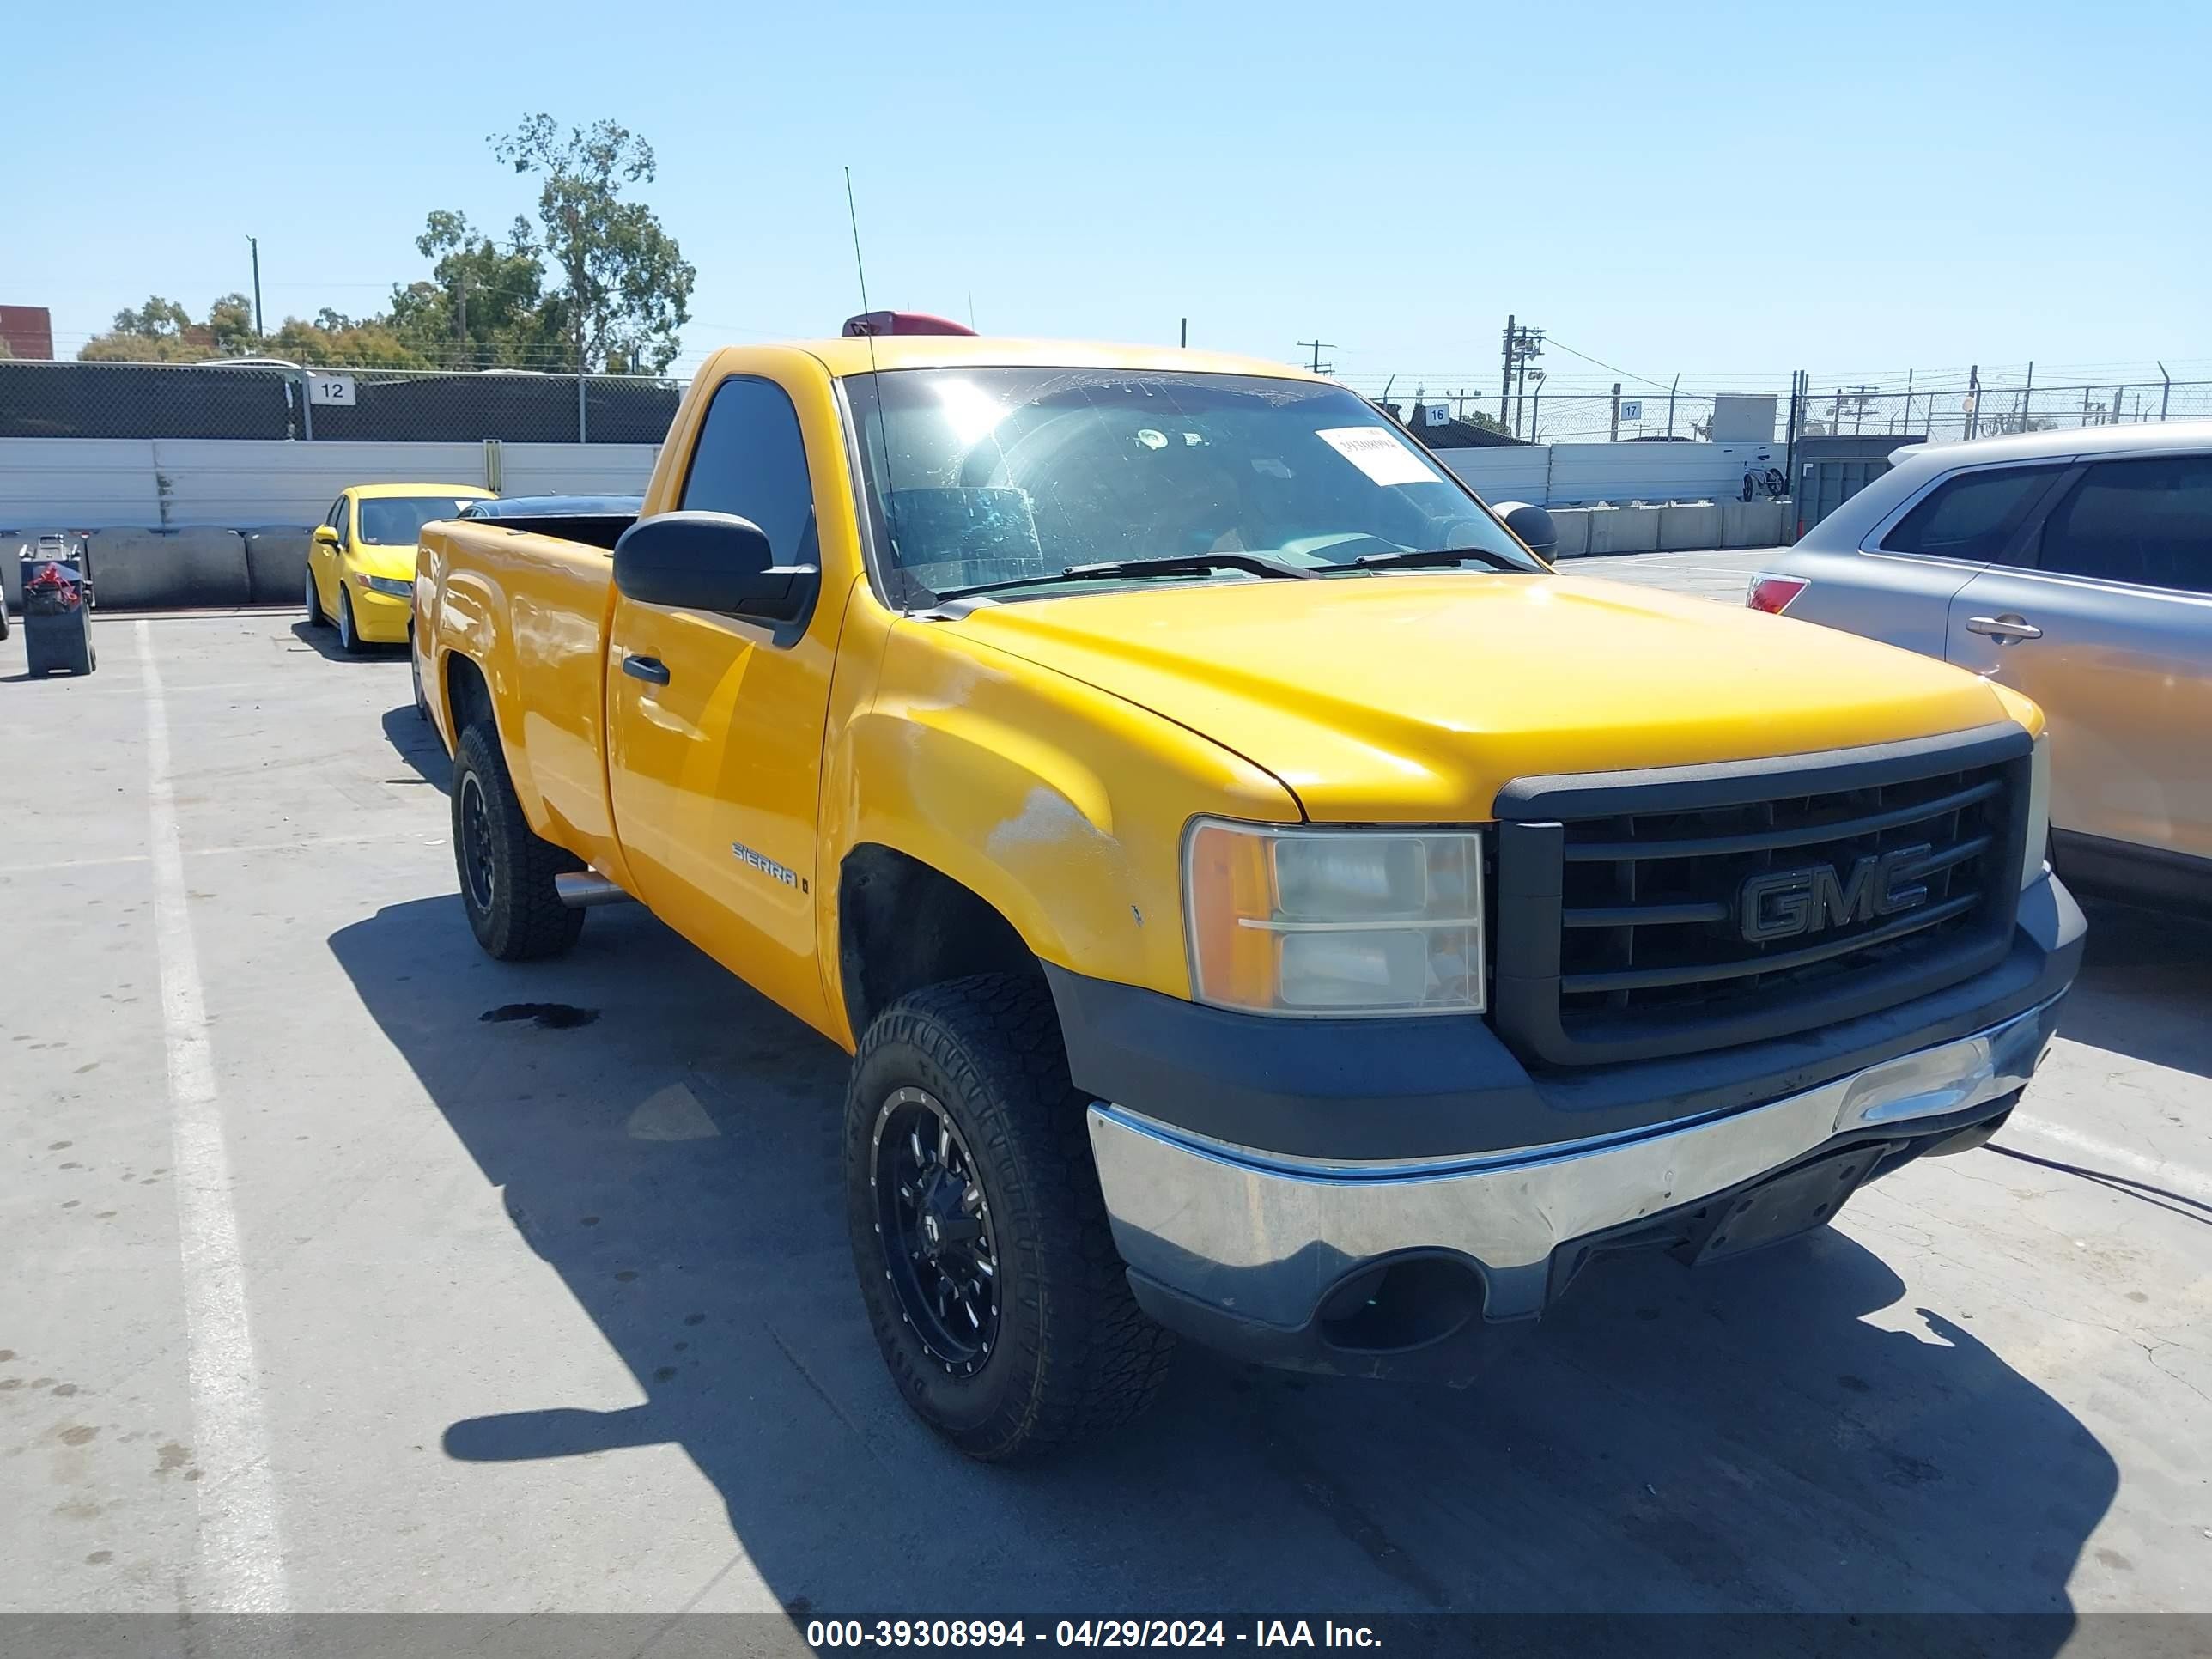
{"points": [[1263, 901]]}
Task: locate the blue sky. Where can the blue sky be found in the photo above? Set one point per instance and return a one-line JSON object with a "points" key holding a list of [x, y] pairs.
{"points": [[1725, 193]]}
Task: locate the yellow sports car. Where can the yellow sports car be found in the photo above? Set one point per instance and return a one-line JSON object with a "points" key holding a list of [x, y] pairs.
{"points": [[360, 565]]}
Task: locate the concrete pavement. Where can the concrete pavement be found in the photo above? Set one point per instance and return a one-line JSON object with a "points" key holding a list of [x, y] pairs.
{"points": [[351, 1270]]}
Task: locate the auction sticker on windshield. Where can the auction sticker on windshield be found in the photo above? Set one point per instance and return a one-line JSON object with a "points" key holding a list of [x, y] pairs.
{"points": [[1377, 453]]}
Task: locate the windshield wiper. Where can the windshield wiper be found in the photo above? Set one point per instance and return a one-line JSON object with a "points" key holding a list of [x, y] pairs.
{"points": [[1177, 565], [1421, 556]]}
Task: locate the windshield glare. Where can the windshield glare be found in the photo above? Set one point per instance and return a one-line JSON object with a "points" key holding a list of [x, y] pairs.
{"points": [[397, 520], [989, 475]]}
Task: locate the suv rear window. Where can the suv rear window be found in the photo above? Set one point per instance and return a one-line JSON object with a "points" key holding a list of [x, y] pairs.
{"points": [[2147, 521], [1971, 516]]}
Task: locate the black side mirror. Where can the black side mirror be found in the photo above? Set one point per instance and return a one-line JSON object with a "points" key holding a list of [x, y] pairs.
{"points": [[1531, 524], [711, 561]]}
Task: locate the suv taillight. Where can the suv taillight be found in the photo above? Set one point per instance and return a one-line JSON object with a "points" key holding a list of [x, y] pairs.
{"points": [[1772, 595]]}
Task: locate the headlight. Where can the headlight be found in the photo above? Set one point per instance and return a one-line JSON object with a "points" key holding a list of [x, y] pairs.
{"points": [[2032, 867], [393, 585], [1316, 923]]}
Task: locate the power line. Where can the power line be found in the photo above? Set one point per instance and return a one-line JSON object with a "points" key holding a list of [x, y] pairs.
{"points": [[1626, 374]]}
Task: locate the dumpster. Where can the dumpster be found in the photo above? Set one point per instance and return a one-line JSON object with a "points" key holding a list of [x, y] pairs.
{"points": [[56, 607]]}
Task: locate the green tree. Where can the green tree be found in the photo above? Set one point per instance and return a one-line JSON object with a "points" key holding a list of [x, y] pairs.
{"points": [[484, 306], [158, 331], [628, 287], [230, 325], [370, 344]]}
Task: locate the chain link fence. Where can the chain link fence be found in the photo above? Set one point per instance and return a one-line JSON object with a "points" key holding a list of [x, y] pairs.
{"points": [[1987, 410], [259, 399], [1940, 413], [264, 399]]}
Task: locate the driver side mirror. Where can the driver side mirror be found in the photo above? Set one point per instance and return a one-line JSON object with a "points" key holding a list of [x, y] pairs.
{"points": [[325, 536], [711, 561], [1531, 524]]}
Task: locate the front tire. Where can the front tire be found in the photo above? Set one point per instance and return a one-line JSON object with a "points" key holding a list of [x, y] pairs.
{"points": [[506, 872], [1008, 1324], [314, 601], [349, 634]]}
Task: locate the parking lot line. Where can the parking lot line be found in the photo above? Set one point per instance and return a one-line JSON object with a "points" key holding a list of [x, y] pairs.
{"points": [[2175, 1177], [239, 1550]]}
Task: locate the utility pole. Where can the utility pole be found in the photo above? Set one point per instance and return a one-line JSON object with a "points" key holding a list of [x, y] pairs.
{"points": [[1185, 339], [254, 242], [1318, 347], [2165, 394], [461, 321], [2027, 397], [1613, 436], [1505, 380], [1671, 391], [1973, 398], [1522, 345]]}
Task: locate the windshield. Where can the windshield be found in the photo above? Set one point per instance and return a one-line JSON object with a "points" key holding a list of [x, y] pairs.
{"points": [[992, 475], [397, 520]]}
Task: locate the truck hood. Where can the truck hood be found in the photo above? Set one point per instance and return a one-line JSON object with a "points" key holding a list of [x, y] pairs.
{"points": [[1416, 697]]}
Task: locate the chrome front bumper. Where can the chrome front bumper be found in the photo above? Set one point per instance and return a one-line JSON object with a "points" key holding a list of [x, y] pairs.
{"points": [[1260, 1240]]}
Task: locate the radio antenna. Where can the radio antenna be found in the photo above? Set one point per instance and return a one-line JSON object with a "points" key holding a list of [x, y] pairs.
{"points": [[888, 498], [854, 214]]}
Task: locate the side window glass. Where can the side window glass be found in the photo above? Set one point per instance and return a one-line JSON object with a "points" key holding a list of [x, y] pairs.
{"points": [[2147, 521], [1971, 516], [751, 460], [336, 518]]}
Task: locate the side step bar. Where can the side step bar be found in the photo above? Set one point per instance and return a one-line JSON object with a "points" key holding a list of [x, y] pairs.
{"points": [[579, 887]]}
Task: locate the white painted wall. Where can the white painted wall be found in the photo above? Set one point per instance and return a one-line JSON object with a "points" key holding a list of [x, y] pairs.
{"points": [[1558, 474], [162, 482]]}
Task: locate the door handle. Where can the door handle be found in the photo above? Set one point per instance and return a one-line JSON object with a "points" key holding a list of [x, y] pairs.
{"points": [[651, 670], [2003, 628]]}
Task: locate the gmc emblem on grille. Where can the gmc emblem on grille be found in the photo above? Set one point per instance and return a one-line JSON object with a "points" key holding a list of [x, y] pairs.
{"points": [[1783, 903]]}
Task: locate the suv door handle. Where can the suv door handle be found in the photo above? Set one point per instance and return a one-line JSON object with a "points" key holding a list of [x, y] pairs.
{"points": [[2002, 628], [651, 670]]}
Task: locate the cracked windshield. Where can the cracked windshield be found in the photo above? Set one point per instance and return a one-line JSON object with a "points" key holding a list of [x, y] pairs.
{"points": [[1007, 475]]}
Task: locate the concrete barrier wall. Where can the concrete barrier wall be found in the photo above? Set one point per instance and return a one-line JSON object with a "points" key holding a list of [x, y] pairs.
{"points": [[277, 563], [1623, 529], [153, 569], [1684, 526], [1754, 524], [1573, 524]]}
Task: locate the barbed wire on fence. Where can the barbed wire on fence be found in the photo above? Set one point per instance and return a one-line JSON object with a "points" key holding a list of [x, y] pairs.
{"points": [[267, 399]]}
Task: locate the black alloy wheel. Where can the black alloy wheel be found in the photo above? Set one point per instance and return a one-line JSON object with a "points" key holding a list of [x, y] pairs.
{"points": [[936, 1228]]}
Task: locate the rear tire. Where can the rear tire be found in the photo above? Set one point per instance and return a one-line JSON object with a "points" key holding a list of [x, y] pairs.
{"points": [[314, 601], [1060, 1350], [506, 872]]}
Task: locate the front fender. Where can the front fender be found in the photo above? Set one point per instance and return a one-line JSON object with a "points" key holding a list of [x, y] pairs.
{"points": [[1061, 805]]}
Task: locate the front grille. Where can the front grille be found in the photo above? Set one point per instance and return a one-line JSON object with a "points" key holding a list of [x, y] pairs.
{"points": [[1666, 913]]}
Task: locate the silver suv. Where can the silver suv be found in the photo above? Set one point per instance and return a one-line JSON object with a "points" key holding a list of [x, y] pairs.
{"points": [[2075, 566]]}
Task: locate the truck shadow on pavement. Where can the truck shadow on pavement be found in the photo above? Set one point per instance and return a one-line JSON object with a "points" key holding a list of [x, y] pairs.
{"points": [[2146, 981], [1738, 1439], [414, 741]]}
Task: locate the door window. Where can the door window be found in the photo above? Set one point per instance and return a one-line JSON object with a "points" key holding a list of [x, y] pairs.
{"points": [[2148, 522], [336, 518], [751, 460], [1971, 516]]}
